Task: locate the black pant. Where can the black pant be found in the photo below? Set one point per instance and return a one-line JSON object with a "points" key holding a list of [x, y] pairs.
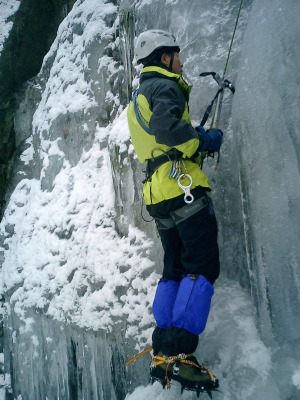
{"points": [[191, 246]]}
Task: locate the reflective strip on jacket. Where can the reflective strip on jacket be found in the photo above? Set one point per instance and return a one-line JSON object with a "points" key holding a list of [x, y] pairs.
{"points": [[163, 104]]}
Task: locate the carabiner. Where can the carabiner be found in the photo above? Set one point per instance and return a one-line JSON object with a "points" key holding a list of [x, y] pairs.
{"points": [[188, 197]]}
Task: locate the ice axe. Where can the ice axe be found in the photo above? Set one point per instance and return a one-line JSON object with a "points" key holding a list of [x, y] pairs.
{"points": [[223, 84]]}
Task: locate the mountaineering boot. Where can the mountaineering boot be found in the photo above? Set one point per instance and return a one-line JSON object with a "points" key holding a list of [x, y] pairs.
{"points": [[185, 369]]}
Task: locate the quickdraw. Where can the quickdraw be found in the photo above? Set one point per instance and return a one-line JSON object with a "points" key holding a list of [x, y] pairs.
{"points": [[176, 173]]}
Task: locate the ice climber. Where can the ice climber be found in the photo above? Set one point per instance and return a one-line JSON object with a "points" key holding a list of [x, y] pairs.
{"points": [[164, 138]]}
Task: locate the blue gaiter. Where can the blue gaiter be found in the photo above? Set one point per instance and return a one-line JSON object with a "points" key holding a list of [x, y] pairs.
{"points": [[164, 300], [192, 304]]}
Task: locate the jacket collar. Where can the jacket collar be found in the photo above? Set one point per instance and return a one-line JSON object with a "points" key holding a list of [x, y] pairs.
{"points": [[159, 72]]}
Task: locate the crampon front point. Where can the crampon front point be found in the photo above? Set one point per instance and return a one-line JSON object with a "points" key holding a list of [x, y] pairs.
{"points": [[198, 389]]}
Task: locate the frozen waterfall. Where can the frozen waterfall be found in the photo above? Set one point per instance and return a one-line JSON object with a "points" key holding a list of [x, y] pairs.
{"points": [[79, 266]]}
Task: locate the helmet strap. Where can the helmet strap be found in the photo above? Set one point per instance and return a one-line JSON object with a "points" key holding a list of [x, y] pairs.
{"points": [[171, 61]]}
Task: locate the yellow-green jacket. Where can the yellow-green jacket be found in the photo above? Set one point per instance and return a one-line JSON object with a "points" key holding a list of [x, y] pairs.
{"points": [[163, 105]]}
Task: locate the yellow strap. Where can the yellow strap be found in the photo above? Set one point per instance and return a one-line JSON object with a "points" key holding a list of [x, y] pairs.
{"points": [[138, 355], [157, 360]]}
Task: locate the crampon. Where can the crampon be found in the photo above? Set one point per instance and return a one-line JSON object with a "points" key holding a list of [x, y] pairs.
{"points": [[183, 369]]}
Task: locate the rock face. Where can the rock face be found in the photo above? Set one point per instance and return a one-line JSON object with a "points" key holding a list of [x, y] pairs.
{"points": [[68, 146], [79, 264], [33, 31]]}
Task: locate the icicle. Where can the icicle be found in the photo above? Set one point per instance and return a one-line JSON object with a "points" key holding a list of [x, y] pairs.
{"points": [[127, 33]]}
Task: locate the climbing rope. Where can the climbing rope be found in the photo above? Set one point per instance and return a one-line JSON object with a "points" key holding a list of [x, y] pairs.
{"points": [[223, 83], [217, 112], [232, 38]]}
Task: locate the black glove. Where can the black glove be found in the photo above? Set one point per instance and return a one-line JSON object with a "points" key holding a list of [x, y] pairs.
{"points": [[211, 139]]}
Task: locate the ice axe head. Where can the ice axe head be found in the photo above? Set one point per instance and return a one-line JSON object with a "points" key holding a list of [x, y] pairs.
{"points": [[229, 85], [223, 83], [207, 73], [216, 77]]}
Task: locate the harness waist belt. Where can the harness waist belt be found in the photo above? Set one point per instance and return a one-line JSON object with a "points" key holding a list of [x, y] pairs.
{"points": [[172, 155], [182, 214]]}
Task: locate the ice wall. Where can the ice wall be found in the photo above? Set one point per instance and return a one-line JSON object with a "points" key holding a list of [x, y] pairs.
{"points": [[266, 129], [53, 360]]}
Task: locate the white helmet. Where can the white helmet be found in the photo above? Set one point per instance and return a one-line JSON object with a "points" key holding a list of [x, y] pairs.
{"points": [[154, 39]]}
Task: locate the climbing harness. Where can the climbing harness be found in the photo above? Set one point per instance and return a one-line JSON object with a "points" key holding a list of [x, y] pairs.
{"points": [[182, 214], [176, 173], [176, 157], [154, 163]]}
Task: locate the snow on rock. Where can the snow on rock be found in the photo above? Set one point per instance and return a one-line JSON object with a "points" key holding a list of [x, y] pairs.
{"points": [[72, 264], [7, 9], [62, 252], [68, 88]]}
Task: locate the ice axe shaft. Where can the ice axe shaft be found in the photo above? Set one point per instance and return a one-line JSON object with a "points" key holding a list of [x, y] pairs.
{"points": [[223, 84], [216, 118]]}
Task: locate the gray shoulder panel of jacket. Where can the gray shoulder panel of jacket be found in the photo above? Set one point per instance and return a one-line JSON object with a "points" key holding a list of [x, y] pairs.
{"points": [[156, 87], [167, 102]]}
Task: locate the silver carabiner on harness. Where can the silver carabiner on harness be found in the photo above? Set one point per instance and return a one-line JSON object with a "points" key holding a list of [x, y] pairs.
{"points": [[188, 197]]}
